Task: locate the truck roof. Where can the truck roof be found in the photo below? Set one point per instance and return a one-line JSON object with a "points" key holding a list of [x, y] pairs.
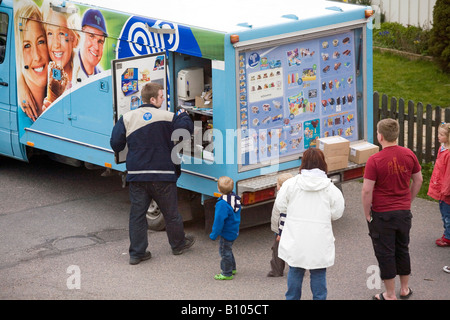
{"points": [[228, 16]]}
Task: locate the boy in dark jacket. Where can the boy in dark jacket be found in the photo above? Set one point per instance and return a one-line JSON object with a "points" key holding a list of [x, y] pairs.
{"points": [[227, 218]]}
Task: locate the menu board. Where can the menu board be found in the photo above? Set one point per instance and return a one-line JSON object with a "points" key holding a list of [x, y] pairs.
{"points": [[129, 77], [292, 94]]}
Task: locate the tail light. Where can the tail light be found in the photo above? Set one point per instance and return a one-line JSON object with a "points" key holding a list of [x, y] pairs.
{"points": [[258, 196], [354, 173]]}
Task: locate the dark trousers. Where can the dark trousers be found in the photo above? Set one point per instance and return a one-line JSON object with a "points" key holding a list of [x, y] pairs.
{"points": [[276, 264], [390, 238], [165, 195]]}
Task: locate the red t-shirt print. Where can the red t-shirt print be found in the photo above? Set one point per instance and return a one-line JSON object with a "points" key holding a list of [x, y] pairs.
{"points": [[395, 168]]}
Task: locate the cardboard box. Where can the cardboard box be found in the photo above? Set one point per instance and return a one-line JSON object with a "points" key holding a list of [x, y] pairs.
{"points": [[334, 146], [202, 103], [361, 151], [335, 149], [205, 100], [336, 162]]}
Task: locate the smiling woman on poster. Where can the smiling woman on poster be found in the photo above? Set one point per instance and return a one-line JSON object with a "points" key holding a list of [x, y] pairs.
{"points": [[62, 39], [32, 60]]}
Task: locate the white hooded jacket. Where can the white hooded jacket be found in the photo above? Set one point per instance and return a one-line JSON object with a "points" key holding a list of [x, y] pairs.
{"points": [[311, 201]]}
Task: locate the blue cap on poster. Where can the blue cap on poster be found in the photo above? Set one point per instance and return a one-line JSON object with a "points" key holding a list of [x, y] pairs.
{"points": [[95, 19]]}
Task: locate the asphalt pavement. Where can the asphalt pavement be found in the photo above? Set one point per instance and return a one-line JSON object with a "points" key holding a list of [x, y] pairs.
{"points": [[64, 236]]}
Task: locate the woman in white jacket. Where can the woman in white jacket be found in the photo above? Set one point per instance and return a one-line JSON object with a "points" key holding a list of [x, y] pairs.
{"points": [[311, 201]]}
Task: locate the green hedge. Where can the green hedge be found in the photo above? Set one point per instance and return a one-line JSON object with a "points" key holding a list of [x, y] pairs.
{"points": [[394, 35]]}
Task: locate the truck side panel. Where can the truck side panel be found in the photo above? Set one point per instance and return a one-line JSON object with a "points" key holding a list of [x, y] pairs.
{"points": [[9, 136]]}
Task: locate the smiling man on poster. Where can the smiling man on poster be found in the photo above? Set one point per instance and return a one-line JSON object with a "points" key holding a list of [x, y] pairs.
{"points": [[94, 34]]}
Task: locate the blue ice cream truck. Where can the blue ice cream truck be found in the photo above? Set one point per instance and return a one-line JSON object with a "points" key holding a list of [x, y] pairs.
{"points": [[262, 81]]}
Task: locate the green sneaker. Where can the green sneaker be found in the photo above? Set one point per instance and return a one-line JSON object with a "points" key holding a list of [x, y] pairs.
{"points": [[233, 272], [222, 277]]}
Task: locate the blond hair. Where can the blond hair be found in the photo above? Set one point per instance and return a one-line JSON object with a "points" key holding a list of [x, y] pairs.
{"points": [[27, 10], [73, 22], [283, 177], [225, 184], [446, 127]]}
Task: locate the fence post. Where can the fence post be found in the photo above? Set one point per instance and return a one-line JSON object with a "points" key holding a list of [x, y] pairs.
{"points": [[411, 125], [419, 152], [384, 107], [393, 112], [438, 120], [401, 122], [428, 132], [376, 115]]}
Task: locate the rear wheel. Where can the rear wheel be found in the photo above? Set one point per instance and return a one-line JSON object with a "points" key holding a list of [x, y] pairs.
{"points": [[155, 218]]}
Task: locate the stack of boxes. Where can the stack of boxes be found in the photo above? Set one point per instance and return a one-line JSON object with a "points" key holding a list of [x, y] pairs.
{"points": [[361, 151], [338, 152]]}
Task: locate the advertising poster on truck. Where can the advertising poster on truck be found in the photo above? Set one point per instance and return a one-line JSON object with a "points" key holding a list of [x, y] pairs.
{"points": [[293, 94], [76, 44]]}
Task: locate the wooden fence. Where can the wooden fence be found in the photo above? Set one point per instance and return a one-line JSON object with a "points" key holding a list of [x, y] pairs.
{"points": [[418, 124]]}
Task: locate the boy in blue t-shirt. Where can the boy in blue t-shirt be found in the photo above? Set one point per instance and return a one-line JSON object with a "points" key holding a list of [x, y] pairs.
{"points": [[227, 218]]}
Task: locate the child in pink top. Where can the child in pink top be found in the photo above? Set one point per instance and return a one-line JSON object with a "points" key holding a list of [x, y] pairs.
{"points": [[439, 188]]}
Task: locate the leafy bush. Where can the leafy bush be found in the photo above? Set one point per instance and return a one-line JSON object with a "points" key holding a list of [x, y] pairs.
{"points": [[394, 35], [427, 170], [440, 34]]}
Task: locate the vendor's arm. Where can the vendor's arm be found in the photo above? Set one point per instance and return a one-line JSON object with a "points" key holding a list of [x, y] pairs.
{"points": [[118, 136]]}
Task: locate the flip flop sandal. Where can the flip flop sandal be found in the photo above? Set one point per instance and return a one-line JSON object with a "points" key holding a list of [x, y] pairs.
{"points": [[380, 297], [407, 295]]}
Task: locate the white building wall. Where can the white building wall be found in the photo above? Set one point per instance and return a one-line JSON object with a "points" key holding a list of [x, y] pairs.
{"points": [[407, 12]]}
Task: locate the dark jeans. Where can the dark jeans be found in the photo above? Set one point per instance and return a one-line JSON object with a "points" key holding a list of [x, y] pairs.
{"points": [[276, 264], [227, 264], [165, 195], [390, 238]]}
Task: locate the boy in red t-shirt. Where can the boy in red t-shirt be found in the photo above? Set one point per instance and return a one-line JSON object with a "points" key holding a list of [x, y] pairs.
{"points": [[392, 180]]}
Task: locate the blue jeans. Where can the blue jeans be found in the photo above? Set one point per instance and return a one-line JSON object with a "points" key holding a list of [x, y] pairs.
{"points": [[445, 212], [165, 195], [318, 283], [227, 264]]}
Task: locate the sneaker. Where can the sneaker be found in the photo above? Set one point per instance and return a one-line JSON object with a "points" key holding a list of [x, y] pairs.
{"points": [[134, 261], [233, 272], [446, 269], [222, 277], [443, 242], [188, 242]]}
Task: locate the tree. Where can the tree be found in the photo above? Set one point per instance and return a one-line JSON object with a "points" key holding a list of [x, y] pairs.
{"points": [[439, 45]]}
